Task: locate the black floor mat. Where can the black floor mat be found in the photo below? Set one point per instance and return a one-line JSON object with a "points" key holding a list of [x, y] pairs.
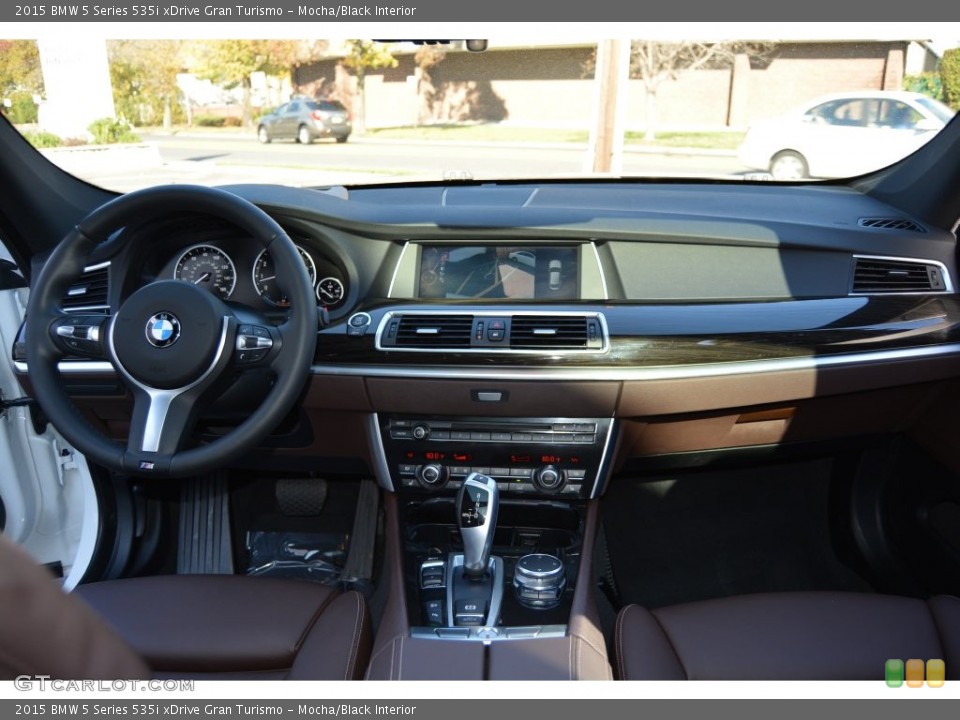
{"points": [[711, 534], [263, 532]]}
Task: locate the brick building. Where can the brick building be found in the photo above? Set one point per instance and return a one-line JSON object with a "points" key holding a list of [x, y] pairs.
{"points": [[553, 86]]}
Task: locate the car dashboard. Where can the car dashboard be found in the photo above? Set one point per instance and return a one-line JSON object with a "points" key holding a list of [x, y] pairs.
{"points": [[700, 316], [551, 339]]}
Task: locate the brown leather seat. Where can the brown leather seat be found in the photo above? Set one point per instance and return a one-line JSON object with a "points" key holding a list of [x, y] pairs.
{"points": [[206, 626], [786, 636]]}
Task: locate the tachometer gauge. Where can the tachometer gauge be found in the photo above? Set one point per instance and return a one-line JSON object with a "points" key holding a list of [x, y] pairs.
{"points": [[330, 292], [265, 277], [208, 267]]}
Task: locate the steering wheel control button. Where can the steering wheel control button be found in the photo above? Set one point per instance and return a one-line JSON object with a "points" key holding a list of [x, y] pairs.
{"points": [[253, 344], [81, 335], [163, 330], [250, 357], [539, 581]]}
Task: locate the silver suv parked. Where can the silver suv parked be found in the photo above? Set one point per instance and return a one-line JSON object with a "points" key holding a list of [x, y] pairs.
{"points": [[305, 121]]}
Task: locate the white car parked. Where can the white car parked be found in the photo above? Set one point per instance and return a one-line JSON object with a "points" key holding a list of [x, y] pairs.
{"points": [[843, 135]]}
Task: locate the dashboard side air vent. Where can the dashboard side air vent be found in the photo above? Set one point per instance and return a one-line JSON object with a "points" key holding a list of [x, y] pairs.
{"points": [[881, 223], [435, 331], [553, 332], [90, 292], [894, 275]]}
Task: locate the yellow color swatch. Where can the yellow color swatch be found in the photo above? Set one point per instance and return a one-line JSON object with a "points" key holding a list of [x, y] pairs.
{"points": [[936, 673]]}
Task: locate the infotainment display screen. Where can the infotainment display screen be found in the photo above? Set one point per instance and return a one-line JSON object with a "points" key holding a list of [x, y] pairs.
{"points": [[514, 272]]}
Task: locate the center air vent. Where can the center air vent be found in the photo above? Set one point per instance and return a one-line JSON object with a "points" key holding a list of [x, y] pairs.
{"points": [[894, 275], [550, 332], [90, 292], [433, 331], [486, 332]]}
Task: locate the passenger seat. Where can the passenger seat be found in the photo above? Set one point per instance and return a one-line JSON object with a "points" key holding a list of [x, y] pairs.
{"points": [[786, 636]]}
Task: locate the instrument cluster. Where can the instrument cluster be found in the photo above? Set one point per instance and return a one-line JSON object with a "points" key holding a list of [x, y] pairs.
{"points": [[242, 271]]}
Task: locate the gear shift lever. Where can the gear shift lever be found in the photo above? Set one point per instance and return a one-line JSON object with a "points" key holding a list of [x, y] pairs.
{"points": [[477, 505]]}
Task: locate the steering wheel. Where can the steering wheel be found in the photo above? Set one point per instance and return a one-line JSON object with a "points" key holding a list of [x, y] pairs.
{"points": [[173, 343]]}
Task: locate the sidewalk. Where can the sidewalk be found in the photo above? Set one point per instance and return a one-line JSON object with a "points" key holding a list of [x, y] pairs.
{"points": [[635, 148]]}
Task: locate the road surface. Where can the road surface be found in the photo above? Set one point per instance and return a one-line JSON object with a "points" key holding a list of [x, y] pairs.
{"points": [[218, 159]]}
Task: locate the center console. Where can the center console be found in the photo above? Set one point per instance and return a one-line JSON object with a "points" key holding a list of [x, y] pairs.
{"points": [[495, 520], [492, 483], [535, 552]]}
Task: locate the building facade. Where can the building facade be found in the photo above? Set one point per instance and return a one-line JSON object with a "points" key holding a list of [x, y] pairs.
{"points": [[554, 86]]}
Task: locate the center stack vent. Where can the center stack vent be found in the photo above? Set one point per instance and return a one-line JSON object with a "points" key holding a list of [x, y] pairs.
{"points": [[434, 331], [493, 332]]}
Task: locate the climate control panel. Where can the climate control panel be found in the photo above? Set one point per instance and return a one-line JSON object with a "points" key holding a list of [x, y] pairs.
{"points": [[559, 457]]}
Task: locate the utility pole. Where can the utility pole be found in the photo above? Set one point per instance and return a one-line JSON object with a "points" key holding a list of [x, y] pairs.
{"points": [[605, 146]]}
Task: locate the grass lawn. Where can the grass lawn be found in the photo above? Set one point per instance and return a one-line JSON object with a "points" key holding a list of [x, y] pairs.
{"points": [[479, 133], [498, 133], [704, 140], [492, 132]]}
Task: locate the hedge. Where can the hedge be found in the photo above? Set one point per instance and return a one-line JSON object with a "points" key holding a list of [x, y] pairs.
{"points": [[950, 77]]}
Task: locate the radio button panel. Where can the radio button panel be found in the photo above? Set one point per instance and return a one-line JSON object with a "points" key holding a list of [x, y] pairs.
{"points": [[548, 457]]}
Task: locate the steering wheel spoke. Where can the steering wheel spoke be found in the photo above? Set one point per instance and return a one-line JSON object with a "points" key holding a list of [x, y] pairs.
{"points": [[161, 421]]}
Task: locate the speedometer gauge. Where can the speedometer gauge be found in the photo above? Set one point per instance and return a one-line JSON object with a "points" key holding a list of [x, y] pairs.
{"points": [[208, 267], [265, 277]]}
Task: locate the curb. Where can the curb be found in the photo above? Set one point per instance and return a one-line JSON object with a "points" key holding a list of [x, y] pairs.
{"points": [[627, 148], [84, 159]]}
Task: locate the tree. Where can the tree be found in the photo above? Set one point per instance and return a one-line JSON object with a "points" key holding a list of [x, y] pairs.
{"points": [[950, 77], [364, 55], [427, 57], [231, 62], [144, 78], [20, 78], [654, 62], [20, 67]]}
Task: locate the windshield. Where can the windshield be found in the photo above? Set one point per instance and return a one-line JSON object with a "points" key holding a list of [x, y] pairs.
{"points": [[937, 109], [129, 113]]}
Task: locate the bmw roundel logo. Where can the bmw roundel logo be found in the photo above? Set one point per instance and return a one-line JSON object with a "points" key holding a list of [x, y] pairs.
{"points": [[163, 329]]}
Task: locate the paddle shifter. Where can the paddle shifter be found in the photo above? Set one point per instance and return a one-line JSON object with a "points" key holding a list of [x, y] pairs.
{"points": [[477, 505]]}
